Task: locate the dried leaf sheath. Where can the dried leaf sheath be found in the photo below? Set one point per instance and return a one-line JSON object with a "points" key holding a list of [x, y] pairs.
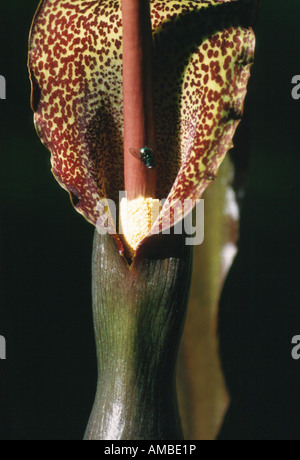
{"points": [[199, 89]]}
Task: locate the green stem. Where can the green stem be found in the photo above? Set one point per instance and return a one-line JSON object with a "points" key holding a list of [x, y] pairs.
{"points": [[139, 315]]}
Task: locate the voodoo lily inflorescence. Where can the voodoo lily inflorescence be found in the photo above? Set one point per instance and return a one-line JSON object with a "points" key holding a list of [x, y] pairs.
{"points": [[202, 52], [143, 97]]}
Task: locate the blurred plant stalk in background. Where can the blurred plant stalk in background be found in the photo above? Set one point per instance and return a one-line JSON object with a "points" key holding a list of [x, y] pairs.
{"points": [[203, 397]]}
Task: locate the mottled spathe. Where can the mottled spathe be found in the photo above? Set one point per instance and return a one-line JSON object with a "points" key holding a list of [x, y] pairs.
{"points": [[203, 51]]}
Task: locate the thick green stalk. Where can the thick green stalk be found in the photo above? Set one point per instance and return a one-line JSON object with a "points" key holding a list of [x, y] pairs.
{"points": [[139, 315]]}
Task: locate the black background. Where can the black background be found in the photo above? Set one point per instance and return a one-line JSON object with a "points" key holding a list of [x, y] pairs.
{"points": [[47, 383]]}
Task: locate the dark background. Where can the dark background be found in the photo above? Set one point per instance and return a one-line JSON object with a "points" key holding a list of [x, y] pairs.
{"points": [[47, 383]]}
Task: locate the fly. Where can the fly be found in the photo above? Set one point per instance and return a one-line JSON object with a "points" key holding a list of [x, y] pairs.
{"points": [[146, 155], [210, 176]]}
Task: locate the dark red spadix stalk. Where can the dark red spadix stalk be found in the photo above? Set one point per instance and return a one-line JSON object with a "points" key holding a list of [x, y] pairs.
{"points": [[139, 125]]}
